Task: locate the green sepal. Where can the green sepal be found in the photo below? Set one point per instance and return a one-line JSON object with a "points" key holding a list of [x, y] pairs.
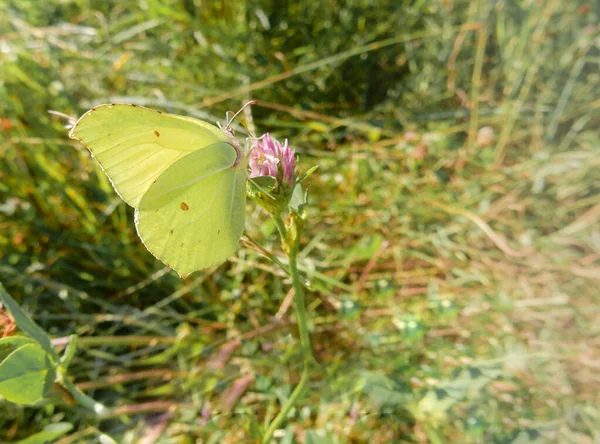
{"points": [[269, 194], [307, 174]]}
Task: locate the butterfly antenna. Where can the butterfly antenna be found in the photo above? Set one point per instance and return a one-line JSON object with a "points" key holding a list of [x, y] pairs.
{"points": [[246, 105], [70, 119]]}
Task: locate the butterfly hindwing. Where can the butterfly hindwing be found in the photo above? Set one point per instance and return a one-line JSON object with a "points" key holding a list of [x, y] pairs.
{"points": [[192, 217]]}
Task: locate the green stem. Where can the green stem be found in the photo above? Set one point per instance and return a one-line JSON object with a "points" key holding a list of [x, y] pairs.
{"points": [[301, 313], [82, 398], [281, 228], [304, 343]]}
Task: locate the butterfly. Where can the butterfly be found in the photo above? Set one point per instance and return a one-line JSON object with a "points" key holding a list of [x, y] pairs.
{"points": [[185, 178]]}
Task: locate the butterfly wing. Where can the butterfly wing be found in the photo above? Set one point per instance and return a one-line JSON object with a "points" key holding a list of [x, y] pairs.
{"points": [[180, 174], [192, 216], [135, 145]]}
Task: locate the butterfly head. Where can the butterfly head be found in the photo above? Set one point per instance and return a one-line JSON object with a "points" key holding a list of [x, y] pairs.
{"points": [[228, 130]]}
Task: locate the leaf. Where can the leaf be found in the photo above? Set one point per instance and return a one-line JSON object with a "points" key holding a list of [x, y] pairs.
{"points": [[49, 434], [366, 247], [11, 343], [299, 199], [26, 374], [532, 436], [314, 437], [435, 437], [26, 324], [469, 383], [383, 390]]}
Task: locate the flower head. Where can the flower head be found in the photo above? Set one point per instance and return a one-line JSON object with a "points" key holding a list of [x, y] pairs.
{"points": [[270, 158]]}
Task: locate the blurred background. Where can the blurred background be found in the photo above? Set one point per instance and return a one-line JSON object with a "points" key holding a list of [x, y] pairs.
{"points": [[452, 247]]}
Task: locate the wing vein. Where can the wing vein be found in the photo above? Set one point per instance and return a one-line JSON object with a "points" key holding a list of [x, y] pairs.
{"points": [[192, 182]]}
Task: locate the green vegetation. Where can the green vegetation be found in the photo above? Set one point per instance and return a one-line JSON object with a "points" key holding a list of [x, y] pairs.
{"points": [[452, 268]]}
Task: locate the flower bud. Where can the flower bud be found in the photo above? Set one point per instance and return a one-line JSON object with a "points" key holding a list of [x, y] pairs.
{"points": [[269, 158], [272, 166]]}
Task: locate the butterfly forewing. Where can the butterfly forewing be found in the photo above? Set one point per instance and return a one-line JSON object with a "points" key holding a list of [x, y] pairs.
{"points": [[135, 145]]}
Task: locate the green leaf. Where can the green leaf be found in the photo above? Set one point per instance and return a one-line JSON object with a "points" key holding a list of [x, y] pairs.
{"points": [[469, 383], [383, 390], [299, 199], [366, 247], [532, 436], [26, 324], [49, 434], [313, 437], [288, 438], [11, 343], [26, 374], [435, 437]]}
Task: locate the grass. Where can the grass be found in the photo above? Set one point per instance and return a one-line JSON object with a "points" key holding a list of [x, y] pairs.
{"points": [[453, 280]]}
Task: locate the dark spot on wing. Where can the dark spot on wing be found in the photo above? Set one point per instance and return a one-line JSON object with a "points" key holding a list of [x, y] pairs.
{"points": [[171, 232], [156, 133], [218, 231], [182, 244], [184, 206]]}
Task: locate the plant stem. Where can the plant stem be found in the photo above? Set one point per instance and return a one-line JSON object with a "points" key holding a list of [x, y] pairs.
{"points": [[304, 341], [281, 228], [301, 313], [82, 398]]}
